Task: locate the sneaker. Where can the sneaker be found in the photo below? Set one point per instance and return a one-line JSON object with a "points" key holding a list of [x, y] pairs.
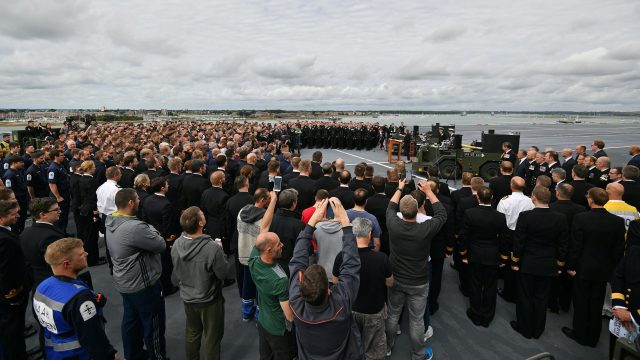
{"points": [[389, 353], [399, 332], [428, 354], [428, 333]]}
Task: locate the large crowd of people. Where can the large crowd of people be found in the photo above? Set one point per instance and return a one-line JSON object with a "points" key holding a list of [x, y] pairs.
{"points": [[326, 260]]}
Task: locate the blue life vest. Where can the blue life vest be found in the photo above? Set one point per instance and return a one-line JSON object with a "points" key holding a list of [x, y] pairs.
{"points": [[61, 340]]}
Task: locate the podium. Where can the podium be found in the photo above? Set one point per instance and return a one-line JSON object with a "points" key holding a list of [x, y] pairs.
{"points": [[392, 143]]}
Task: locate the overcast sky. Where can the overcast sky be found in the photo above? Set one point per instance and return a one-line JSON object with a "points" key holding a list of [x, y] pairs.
{"points": [[410, 55]]}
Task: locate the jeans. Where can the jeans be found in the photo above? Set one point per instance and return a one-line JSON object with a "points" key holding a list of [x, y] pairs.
{"points": [[204, 320], [416, 299], [373, 334], [143, 320]]}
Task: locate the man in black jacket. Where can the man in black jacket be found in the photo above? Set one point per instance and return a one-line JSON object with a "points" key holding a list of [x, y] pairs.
{"points": [[316, 169], [508, 154], [579, 174], [287, 224], [175, 180], [501, 185], [377, 206], [214, 201], [463, 205], [342, 192], [440, 244], [232, 209], [597, 247], [630, 178], [304, 185], [483, 246], [160, 214], [15, 285], [194, 185], [562, 286], [569, 161], [129, 163], [539, 251], [326, 182]]}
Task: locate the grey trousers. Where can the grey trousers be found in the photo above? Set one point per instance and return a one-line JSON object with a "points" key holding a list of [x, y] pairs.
{"points": [[373, 335], [416, 299]]}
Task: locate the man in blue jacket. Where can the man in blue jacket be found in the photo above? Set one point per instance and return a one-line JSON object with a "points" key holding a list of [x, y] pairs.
{"points": [[324, 326]]}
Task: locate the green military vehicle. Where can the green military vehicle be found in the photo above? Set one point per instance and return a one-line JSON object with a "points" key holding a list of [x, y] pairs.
{"points": [[443, 148]]}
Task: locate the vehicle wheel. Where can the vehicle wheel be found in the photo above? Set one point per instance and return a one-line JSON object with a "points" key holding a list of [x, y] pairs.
{"points": [[449, 170], [489, 170]]}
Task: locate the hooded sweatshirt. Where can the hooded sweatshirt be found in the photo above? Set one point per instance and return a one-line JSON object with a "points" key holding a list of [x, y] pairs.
{"points": [[249, 220], [328, 235], [135, 248], [199, 267]]}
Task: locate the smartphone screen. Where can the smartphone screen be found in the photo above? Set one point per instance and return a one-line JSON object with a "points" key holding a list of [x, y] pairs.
{"points": [[330, 214], [409, 175], [277, 183]]}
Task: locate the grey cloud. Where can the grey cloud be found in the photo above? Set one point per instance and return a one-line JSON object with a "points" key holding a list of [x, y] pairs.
{"points": [[42, 19], [418, 69], [287, 68], [149, 44], [446, 33]]}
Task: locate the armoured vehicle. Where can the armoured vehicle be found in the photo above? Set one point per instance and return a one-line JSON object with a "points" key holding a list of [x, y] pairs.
{"points": [[443, 148]]}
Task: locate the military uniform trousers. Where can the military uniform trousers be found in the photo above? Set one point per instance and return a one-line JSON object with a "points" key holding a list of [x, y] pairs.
{"points": [[482, 292], [531, 303], [588, 297]]}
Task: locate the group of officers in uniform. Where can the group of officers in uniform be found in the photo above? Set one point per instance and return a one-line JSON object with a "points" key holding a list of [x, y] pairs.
{"points": [[68, 309]]}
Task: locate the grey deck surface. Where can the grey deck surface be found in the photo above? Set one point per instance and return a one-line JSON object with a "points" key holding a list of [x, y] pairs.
{"points": [[455, 337]]}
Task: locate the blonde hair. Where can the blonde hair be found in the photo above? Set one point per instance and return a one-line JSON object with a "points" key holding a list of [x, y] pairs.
{"points": [[87, 166], [141, 181], [60, 250]]}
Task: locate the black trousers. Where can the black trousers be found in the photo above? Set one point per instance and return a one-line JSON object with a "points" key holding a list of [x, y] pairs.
{"points": [[12, 346], [463, 276], [588, 297], [561, 292], [239, 275], [167, 269], [531, 303], [483, 292], [88, 233], [435, 285], [274, 347]]}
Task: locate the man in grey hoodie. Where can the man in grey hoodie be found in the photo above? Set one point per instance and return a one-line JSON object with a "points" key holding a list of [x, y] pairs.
{"points": [[199, 269], [135, 248], [250, 224], [328, 235]]}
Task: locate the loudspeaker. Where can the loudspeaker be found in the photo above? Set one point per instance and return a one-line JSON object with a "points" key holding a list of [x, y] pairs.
{"points": [[456, 141]]}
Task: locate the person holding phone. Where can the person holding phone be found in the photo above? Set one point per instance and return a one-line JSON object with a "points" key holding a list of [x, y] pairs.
{"points": [[410, 245]]}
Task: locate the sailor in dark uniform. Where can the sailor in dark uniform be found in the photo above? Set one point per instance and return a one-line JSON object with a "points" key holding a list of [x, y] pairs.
{"points": [[533, 170], [59, 186], [36, 177], [508, 154], [550, 162], [14, 179], [597, 147]]}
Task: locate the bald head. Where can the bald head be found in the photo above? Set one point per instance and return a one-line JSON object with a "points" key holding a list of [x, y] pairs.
{"points": [[615, 191], [603, 163], [517, 184], [267, 242], [217, 178], [339, 164]]}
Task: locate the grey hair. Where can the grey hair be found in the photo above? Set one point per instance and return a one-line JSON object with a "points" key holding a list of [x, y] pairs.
{"points": [[287, 198], [361, 227], [408, 207], [560, 172]]}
